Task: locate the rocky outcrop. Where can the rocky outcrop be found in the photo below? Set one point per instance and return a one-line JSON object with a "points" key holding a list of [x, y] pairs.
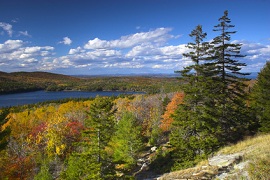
{"points": [[219, 167]]}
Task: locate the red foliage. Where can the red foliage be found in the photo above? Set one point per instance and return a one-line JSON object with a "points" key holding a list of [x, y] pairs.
{"points": [[74, 128], [19, 168], [38, 129]]}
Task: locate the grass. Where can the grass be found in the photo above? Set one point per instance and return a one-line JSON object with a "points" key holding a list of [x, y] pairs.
{"points": [[256, 146], [256, 152]]}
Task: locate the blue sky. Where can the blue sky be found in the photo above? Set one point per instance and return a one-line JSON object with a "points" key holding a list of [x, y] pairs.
{"points": [[97, 37]]}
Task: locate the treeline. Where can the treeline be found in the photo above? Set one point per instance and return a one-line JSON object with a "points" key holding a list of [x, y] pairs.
{"points": [[149, 85], [32, 81]]}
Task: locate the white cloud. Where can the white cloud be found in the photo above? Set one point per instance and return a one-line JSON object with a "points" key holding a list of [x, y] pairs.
{"points": [[256, 55], [7, 28], [76, 51], [144, 50], [140, 50], [32, 49], [24, 33], [14, 55], [157, 36], [66, 41], [10, 45]]}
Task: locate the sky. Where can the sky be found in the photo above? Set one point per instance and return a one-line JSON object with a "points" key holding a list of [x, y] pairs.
{"points": [[98, 37]]}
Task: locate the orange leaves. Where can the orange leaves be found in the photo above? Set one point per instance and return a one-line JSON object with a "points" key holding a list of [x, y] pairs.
{"points": [[74, 127], [171, 107], [19, 167]]}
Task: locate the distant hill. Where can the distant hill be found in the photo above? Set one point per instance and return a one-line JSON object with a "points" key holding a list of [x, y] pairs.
{"points": [[150, 83], [35, 75], [31, 81]]}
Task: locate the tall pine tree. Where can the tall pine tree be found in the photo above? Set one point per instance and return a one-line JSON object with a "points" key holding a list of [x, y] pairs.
{"points": [[230, 98], [192, 133], [214, 111]]}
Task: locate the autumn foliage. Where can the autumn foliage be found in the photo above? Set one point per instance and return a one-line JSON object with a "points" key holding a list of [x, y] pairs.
{"points": [[51, 133], [171, 107]]}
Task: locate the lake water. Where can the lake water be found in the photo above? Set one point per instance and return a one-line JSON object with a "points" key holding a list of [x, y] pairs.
{"points": [[41, 96]]}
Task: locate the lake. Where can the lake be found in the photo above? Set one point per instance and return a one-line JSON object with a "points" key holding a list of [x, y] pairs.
{"points": [[41, 96]]}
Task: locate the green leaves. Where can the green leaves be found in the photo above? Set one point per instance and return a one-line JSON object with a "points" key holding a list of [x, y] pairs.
{"points": [[261, 99], [127, 140], [92, 160]]}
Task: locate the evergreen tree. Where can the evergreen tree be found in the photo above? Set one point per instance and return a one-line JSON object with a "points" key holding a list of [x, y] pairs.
{"points": [[229, 105], [192, 133], [127, 140], [91, 161], [101, 123], [261, 99], [214, 111], [82, 165], [44, 173]]}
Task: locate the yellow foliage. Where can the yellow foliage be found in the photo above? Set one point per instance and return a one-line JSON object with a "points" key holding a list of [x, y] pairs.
{"points": [[59, 150], [4, 126]]}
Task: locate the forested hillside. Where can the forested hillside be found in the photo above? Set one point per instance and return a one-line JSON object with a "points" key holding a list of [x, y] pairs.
{"points": [[32, 81]]}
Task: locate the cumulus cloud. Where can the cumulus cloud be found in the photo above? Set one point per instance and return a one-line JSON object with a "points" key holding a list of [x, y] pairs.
{"points": [[150, 51], [66, 41], [16, 55], [7, 28], [139, 52], [144, 50], [10, 45], [76, 50], [256, 55], [157, 36]]}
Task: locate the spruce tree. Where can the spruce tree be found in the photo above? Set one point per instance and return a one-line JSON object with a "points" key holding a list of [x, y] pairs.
{"points": [[261, 99], [192, 133], [127, 141], [101, 123], [91, 161], [229, 101]]}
